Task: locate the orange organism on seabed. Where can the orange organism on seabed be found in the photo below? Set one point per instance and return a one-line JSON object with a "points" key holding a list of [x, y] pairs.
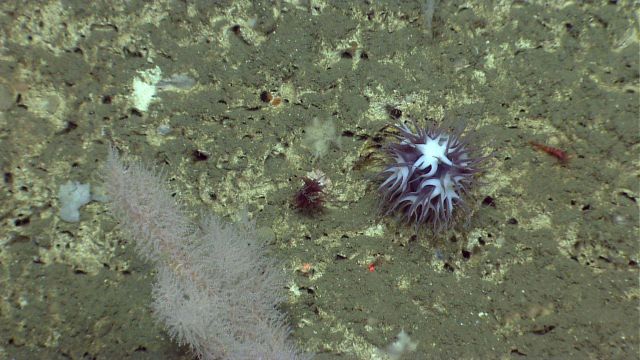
{"points": [[561, 155]]}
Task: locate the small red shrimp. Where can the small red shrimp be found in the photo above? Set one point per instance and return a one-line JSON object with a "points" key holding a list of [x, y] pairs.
{"points": [[561, 155]]}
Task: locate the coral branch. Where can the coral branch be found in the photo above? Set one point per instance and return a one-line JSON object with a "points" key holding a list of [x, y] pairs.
{"points": [[216, 291]]}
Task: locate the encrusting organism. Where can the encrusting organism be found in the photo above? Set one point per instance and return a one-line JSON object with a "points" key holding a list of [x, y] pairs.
{"points": [[430, 172]]}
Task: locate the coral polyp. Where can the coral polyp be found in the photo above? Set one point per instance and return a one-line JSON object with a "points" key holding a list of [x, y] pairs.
{"points": [[430, 172]]}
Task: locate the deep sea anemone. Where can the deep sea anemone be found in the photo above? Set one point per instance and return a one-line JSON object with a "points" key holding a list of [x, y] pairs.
{"points": [[430, 173]]}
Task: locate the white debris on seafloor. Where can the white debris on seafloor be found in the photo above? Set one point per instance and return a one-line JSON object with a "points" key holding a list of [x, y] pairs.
{"points": [[150, 81], [144, 88], [398, 348]]}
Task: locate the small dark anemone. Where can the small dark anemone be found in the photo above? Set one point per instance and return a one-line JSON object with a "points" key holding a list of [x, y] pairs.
{"points": [[309, 199], [430, 173]]}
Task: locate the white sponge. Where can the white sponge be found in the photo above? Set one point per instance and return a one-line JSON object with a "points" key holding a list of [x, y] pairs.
{"points": [[72, 196]]}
